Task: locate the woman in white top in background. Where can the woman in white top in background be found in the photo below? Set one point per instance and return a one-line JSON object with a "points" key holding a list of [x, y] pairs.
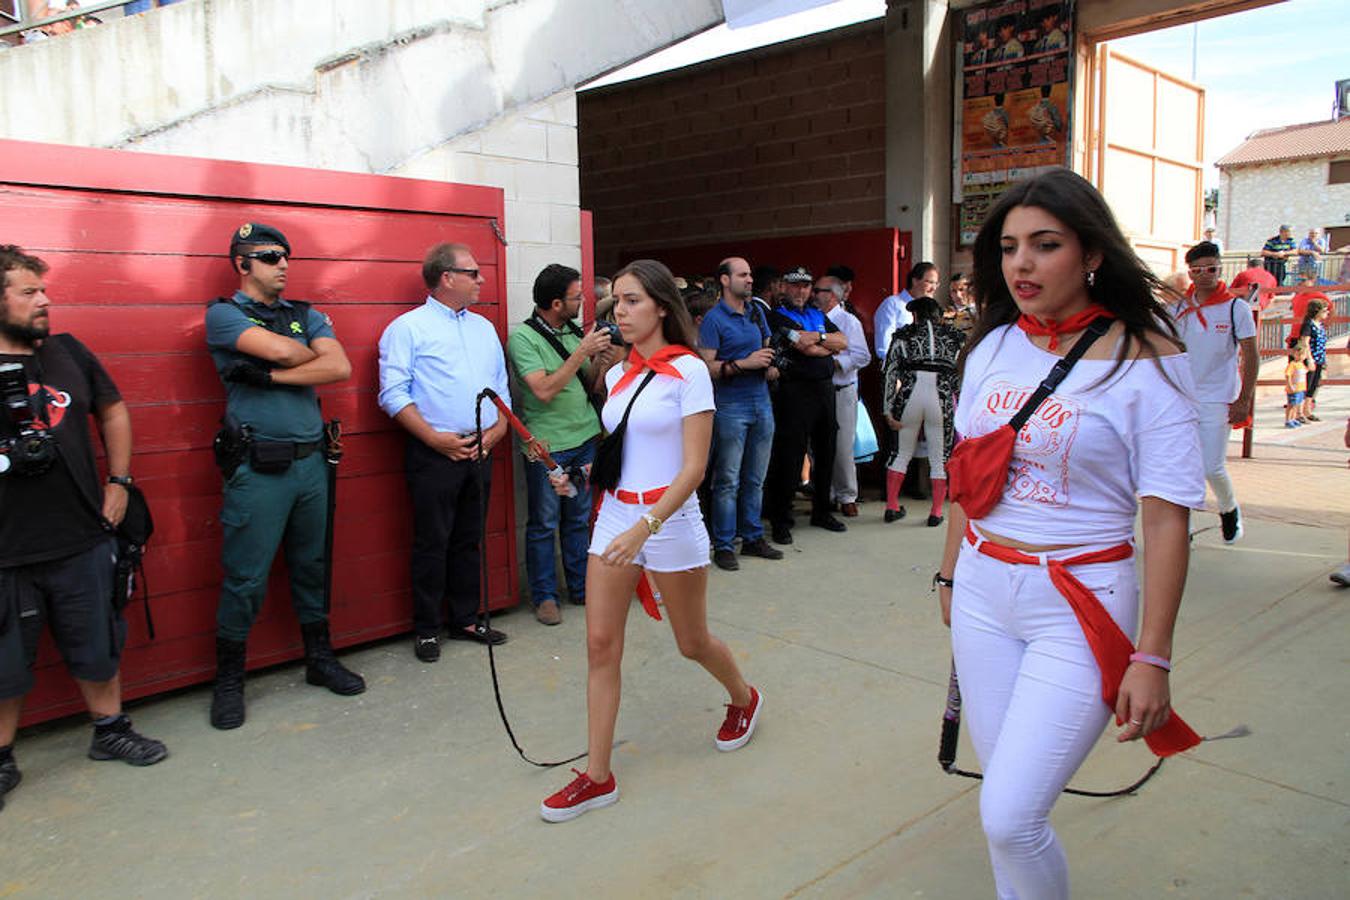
{"points": [[651, 521], [1122, 426]]}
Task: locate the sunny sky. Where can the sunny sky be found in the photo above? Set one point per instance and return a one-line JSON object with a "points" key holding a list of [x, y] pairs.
{"points": [[1277, 65]]}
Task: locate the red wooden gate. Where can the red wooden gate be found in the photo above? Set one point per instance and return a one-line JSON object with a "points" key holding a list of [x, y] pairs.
{"points": [[137, 245]]}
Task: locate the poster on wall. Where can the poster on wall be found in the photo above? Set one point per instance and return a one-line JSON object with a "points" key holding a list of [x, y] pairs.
{"points": [[1016, 74]]}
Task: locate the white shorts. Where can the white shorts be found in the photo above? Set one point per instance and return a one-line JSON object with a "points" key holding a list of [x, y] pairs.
{"points": [[681, 544]]}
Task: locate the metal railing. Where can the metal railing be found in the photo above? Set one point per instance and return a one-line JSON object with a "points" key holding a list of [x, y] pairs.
{"points": [[1328, 269], [25, 21]]}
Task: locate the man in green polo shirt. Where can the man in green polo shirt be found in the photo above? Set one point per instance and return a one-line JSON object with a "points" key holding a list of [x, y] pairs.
{"points": [[270, 354], [557, 367]]}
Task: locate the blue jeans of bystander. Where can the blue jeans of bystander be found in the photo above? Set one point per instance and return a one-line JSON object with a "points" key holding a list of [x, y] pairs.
{"points": [[568, 517], [742, 439]]}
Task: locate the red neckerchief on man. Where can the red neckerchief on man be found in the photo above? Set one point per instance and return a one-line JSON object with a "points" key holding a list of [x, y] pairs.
{"points": [[1220, 295], [1055, 327], [659, 362]]}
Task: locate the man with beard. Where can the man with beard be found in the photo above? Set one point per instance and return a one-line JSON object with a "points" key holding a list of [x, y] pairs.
{"points": [[57, 556]]}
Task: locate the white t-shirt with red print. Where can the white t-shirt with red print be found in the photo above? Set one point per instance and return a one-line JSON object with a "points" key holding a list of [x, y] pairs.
{"points": [[653, 445], [1092, 448]]}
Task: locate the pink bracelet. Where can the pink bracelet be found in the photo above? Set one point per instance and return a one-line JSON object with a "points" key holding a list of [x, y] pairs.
{"points": [[1152, 660]]}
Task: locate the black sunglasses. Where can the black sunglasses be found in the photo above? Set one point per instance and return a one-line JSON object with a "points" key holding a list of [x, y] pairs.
{"points": [[472, 273], [269, 257]]}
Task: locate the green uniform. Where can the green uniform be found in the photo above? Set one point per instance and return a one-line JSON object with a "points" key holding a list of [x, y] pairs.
{"points": [[568, 420], [261, 510]]}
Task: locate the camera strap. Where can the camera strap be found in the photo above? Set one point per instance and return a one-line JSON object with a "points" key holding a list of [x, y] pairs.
{"points": [[551, 336]]}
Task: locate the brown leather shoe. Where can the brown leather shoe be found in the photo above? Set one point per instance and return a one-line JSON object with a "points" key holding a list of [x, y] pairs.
{"points": [[548, 613], [849, 510]]}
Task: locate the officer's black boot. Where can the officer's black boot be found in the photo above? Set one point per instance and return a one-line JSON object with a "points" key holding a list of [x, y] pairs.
{"points": [[322, 667], [227, 699]]}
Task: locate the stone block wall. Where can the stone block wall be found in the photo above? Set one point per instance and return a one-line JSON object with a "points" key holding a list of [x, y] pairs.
{"points": [[1255, 200], [787, 139]]}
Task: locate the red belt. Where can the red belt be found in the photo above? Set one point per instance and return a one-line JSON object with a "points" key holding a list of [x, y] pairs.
{"points": [[635, 498], [646, 594], [1109, 644]]}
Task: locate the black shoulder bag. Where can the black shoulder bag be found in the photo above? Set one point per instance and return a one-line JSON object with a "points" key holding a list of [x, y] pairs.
{"points": [[132, 533], [608, 465]]}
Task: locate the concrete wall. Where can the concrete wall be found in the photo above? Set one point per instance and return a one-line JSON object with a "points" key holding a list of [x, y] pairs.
{"points": [[787, 139], [1255, 200], [478, 91]]}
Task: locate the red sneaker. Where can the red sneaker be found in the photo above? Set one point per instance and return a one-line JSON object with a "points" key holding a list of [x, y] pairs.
{"points": [[578, 797], [740, 723]]}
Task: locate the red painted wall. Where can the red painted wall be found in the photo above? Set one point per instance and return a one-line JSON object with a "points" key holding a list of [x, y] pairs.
{"points": [[137, 244]]}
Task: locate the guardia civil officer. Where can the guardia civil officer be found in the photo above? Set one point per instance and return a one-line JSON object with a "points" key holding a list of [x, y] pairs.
{"points": [[56, 555], [270, 354]]}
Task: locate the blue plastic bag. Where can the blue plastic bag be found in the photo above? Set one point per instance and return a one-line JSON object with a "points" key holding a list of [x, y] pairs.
{"points": [[864, 436]]}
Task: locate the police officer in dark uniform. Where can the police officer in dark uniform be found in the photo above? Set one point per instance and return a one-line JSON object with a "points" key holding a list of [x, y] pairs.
{"points": [[803, 407], [270, 354]]}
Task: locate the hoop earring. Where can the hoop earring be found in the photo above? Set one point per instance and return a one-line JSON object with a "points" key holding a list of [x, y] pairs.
{"points": [[1091, 277]]}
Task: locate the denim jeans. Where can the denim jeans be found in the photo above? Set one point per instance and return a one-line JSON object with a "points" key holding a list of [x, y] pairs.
{"points": [[569, 517], [742, 439]]}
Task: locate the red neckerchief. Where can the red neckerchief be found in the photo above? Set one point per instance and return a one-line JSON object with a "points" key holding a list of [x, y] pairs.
{"points": [[1220, 295], [1055, 327], [659, 362]]}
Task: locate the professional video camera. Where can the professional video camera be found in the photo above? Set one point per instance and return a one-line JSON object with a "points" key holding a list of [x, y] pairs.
{"points": [[29, 449], [783, 341]]}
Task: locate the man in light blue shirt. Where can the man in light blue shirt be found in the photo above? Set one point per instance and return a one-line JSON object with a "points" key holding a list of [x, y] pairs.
{"points": [[434, 361], [891, 315]]}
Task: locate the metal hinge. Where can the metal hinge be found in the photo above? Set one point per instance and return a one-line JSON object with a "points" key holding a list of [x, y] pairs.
{"points": [[497, 230]]}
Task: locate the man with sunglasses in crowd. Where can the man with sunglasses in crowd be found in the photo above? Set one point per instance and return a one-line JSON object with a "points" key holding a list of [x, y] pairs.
{"points": [[1219, 332], [270, 354], [434, 361]]}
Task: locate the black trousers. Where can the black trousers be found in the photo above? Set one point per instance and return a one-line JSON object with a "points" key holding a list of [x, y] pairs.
{"points": [[803, 415], [447, 536]]}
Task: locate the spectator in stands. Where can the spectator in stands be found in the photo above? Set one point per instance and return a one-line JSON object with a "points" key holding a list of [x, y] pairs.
{"points": [[1277, 251], [1254, 274], [960, 311], [1295, 383], [604, 299], [893, 313], [557, 368], [768, 284], [1310, 251], [1210, 236]]}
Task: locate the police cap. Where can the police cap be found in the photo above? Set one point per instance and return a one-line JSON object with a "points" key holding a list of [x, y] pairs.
{"points": [[799, 275], [254, 234]]}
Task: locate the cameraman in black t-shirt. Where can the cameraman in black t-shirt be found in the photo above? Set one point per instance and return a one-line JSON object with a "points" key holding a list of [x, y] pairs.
{"points": [[57, 554]]}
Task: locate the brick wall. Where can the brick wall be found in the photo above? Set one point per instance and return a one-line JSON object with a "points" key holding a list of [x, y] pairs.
{"points": [[1255, 200], [788, 139]]}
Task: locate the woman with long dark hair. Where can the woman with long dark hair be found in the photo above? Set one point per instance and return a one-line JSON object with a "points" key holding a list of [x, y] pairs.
{"points": [[651, 521], [920, 384], [1038, 584]]}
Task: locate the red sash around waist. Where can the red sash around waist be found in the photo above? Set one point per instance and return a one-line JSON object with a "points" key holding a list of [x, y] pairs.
{"points": [[646, 594], [1109, 645]]}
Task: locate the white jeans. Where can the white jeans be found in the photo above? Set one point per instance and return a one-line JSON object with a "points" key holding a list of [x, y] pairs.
{"points": [[1031, 692], [844, 479], [1214, 432], [923, 409]]}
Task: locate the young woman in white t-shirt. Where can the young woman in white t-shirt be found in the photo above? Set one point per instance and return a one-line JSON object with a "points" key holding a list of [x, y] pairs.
{"points": [[1059, 542], [651, 522]]}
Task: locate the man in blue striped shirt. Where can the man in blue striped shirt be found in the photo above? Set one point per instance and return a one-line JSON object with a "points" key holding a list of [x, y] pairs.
{"points": [[434, 361]]}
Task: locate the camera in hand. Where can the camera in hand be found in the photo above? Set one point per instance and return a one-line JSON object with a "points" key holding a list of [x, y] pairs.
{"points": [[782, 346], [611, 329], [25, 446]]}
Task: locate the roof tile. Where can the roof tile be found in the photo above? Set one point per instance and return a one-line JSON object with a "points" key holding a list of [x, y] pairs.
{"points": [[1307, 141]]}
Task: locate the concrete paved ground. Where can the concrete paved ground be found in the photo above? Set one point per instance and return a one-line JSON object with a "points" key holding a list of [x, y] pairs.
{"points": [[413, 790]]}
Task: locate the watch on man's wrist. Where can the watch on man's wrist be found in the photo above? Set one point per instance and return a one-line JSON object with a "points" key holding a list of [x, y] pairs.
{"points": [[123, 480], [820, 338]]}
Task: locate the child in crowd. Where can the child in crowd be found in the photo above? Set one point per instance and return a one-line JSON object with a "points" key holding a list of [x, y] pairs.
{"points": [[1295, 383]]}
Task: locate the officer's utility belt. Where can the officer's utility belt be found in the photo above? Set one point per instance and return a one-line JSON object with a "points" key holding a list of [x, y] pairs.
{"points": [[235, 444]]}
